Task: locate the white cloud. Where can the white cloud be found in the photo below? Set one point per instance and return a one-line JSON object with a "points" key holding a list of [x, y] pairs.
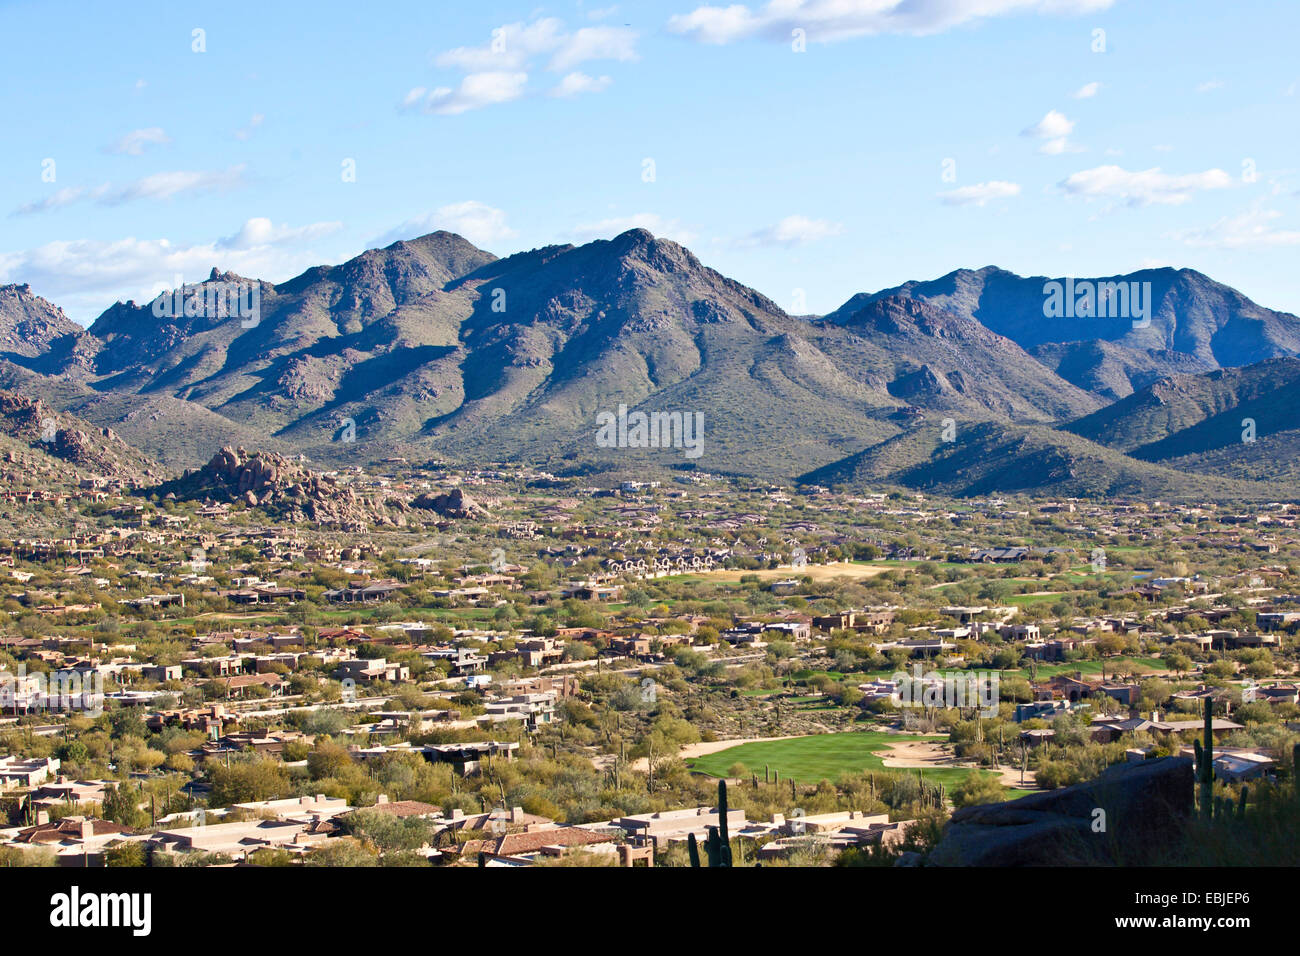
{"points": [[476, 90], [478, 222], [1054, 128], [55, 200], [1140, 188], [134, 142], [166, 185], [1249, 229], [794, 230], [497, 71], [830, 20], [260, 231], [980, 193], [1087, 91], [86, 275], [607, 228], [576, 82], [1209, 86], [512, 47], [595, 43]]}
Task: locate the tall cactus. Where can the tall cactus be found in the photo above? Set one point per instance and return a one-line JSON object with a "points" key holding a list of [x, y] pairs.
{"points": [[717, 845], [1205, 764], [1295, 771]]}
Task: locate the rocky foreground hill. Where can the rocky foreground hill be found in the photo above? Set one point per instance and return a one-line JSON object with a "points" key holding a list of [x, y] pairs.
{"points": [[39, 439]]}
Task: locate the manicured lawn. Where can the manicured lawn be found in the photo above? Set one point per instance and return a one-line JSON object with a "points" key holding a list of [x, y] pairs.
{"points": [[821, 757], [1094, 667], [1038, 598]]}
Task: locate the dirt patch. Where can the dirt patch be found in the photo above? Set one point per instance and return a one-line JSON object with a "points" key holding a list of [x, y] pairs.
{"points": [[928, 753], [704, 748]]}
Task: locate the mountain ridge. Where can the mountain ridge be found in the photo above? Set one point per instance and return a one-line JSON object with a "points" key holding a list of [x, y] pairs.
{"points": [[431, 345]]}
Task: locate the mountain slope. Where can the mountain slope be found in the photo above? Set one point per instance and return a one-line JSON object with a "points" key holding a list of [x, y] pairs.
{"points": [[42, 447], [1114, 371], [991, 457], [434, 347], [35, 333], [1231, 422], [1190, 314], [173, 432], [966, 368]]}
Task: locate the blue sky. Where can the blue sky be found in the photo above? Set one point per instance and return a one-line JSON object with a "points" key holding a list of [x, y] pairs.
{"points": [[809, 175]]}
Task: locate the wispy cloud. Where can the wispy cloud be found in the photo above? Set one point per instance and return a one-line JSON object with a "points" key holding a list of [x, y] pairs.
{"points": [[792, 231], [475, 91], [1087, 91], [259, 232], [134, 142], [1249, 229], [831, 20], [169, 185], [55, 200], [165, 185], [254, 122], [1142, 187], [478, 222], [980, 193]]}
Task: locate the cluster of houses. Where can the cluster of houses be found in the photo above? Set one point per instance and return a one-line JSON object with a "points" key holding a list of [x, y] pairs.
{"points": [[499, 837]]}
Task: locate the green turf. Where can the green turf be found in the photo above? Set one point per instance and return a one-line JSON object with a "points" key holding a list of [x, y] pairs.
{"points": [[1113, 665], [821, 757]]}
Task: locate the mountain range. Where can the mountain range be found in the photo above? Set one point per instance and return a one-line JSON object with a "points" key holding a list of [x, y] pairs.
{"points": [[434, 349]]}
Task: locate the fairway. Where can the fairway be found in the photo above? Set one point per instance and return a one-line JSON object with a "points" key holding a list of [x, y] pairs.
{"points": [[1112, 665], [821, 757]]}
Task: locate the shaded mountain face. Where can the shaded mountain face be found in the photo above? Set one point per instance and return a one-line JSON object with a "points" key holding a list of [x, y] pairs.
{"points": [[1184, 316], [946, 362], [1113, 371], [36, 333], [1000, 458], [1237, 422]]}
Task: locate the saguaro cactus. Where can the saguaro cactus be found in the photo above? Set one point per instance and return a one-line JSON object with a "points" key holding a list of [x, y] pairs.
{"points": [[717, 845], [1205, 764]]}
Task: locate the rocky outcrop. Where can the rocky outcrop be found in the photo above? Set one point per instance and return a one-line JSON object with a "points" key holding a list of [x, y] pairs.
{"points": [[95, 451], [453, 504], [281, 487], [1130, 815]]}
